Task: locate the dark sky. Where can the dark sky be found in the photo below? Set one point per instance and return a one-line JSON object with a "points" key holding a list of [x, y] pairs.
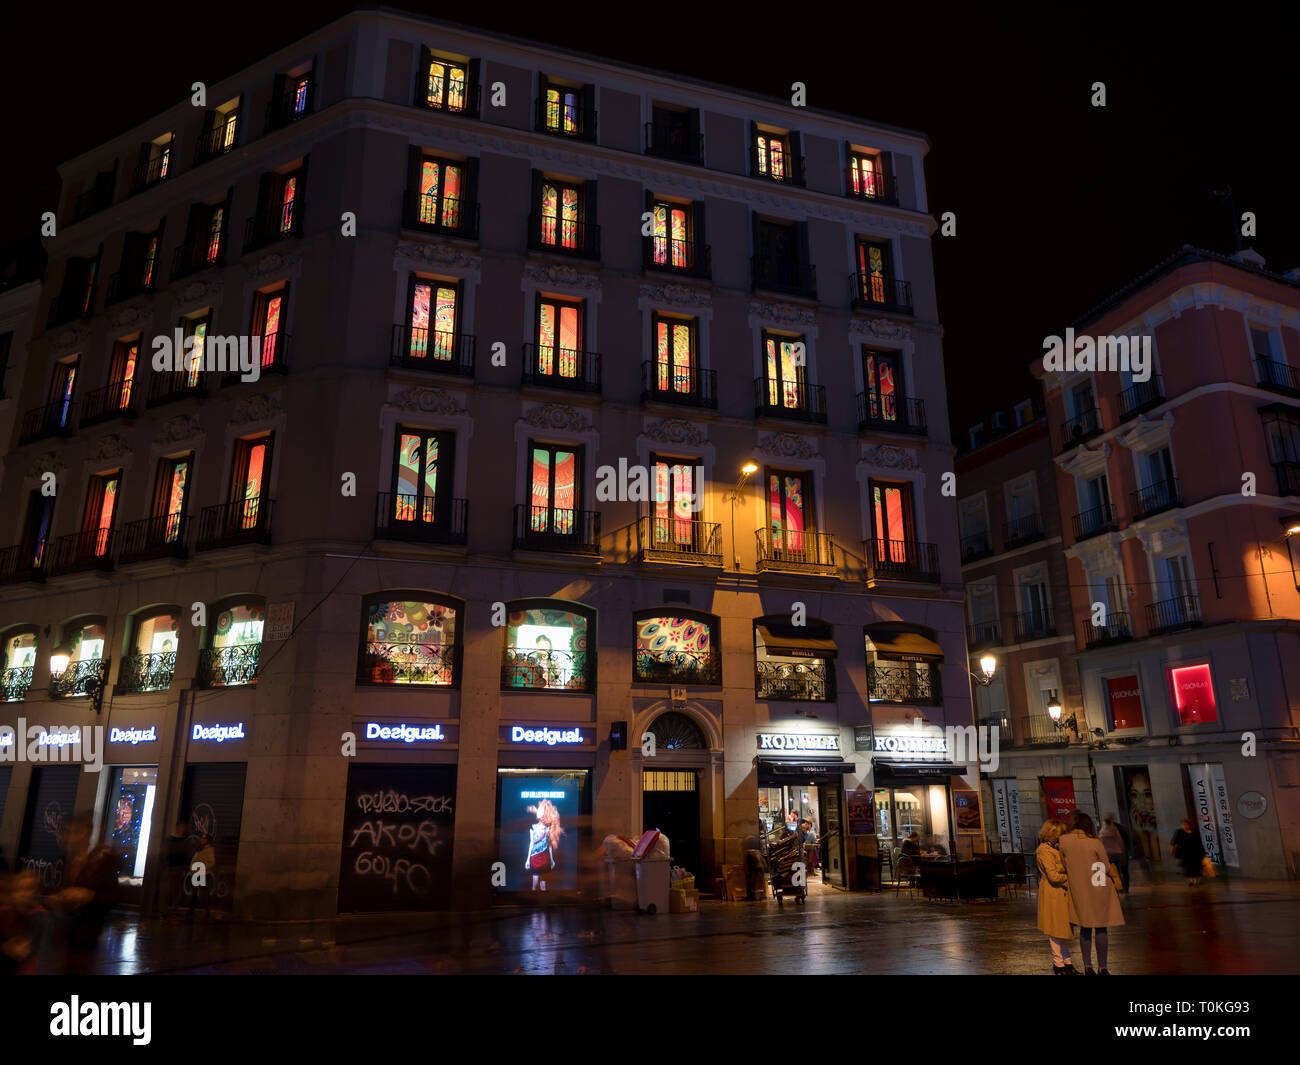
{"points": [[1058, 203]]}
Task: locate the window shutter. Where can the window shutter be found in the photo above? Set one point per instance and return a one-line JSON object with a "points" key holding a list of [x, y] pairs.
{"points": [[756, 230], [277, 94], [145, 150], [697, 233], [694, 146], [265, 193], [801, 238], [469, 188], [649, 200], [588, 121], [474, 105], [535, 205], [300, 196], [133, 255], [422, 78], [94, 500], [543, 83], [887, 170], [445, 488], [591, 236], [753, 149], [796, 158], [414, 169]]}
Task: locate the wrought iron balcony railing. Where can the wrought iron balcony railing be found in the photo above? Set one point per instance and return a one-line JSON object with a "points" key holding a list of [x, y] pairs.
{"points": [[1080, 428], [672, 140], [229, 667], [424, 665], [983, 634], [219, 140], [195, 255], [1277, 376], [537, 669], [876, 292], [558, 529], [1034, 625], [784, 275], [677, 667], [417, 519], [890, 414], [1141, 397], [1022, 530], [901, 560], [811, 681], [162, 536], [81, 551], [1173, 615], [138, 674], [109, 402], [796, 400], [24, 562], [976, 546], [685, 258], [1157, 497], [1094, 522], [1035, 730], [469, 101], [92, 200], [14, 683], [566, 368], [795, 551], [153, 171], [246, 521], [276, 223], [579, 239], [433, 351], [791, 168], [916, 683], [582, 118], [175, 385], [682, 386], [669, 539], [1288, 478], [1116, 630], [450, 216], [289, 107], [875, 185], [123, 286], [53, 419], [80, 678]]}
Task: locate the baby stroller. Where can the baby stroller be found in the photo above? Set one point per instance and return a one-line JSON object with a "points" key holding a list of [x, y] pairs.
{"points": [[781, 858]]}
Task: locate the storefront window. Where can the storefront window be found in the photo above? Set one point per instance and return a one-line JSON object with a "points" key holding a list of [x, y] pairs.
{"points": [[236, 649], [676, 649], [86, 659], [1125, 697], [781, 808], [1192, 691], [795, 662], [150, 666], [546, 648], [130, 813], [916, 816], [904, 667], [539, 813], [17, 664], [409, 641]]}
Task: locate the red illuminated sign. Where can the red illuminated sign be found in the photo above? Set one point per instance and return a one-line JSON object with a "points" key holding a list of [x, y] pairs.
{"points": [[1192, 688], [1125, 696], [1058, 795]]}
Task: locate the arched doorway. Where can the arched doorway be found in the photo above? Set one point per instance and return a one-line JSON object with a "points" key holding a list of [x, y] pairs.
{"points": [[670, 791]]}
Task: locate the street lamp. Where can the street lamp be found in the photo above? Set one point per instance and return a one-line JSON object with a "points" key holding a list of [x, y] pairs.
{"points": [[59, 659], [746, 471], [92, 686], [988, 667], [1054, 711]]}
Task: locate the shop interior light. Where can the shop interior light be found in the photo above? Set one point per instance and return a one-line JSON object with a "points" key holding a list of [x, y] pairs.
{"points": [[59, 658]]}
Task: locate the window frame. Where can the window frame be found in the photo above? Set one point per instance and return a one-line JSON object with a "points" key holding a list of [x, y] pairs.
{"points": [[712, 670], [366, 668], [589, 615]]}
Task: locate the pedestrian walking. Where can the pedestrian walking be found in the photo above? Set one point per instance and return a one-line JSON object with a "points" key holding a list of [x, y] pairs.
{"points": [[1187, 847], [206, 856], [1094, 890], [1115, 838], [89, 893], [22, 925], [1053, 898]]}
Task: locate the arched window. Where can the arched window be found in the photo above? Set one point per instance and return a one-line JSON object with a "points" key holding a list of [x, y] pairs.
{"points": [[903, 665], [410, 637], [675, 731], [151, 653], [550, 645], [17, 662], [234, 651], [85, 639], [794, 662], [676, 647]]}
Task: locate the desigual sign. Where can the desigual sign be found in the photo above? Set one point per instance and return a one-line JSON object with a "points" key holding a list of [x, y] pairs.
{"points": [[551, 737], [405, 733], [794, 741], [219, 733], [133, 735]]}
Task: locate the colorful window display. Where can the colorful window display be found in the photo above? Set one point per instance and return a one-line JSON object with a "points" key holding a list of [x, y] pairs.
{"points": [[214, 234], [789, 503], [873, 268], [1192, 690], [675, 506], [675, 354], [440, 193], [409, 642], [562, 110], [864, 176], [433, 320], [560, 214], [239, 626], [130, 813], [17, 664], [880, 377], [101, 504], [539, 814], [267, 314], [559, 338], [150, 260], [785, 371], [772, 156], [547, 648], [670, 223], [422, 476], [677, 649], [447, 82], [553, 490], [121, 378]]}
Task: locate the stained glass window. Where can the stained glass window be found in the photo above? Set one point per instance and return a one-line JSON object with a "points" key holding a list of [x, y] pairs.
{"points": [[164, 160], [448, 84], [789, 515], [560, 209], [559, 338], [286, 203], [562, 110], [419, 455], [891, 505], [65, 384], [300, 96], [433, 320], [409, 642], [675, 355], [547, 648], [214, 233], [772, 156], [249, 483], [198, 333], [872, 268], [270, 328], [674, 509], [675, 648], [863, 176], [785, 374], [440, 194], [122, 378], [879, 372], [553, 490], [174, 480], [670, 222], [150, 258], [101, 504]]}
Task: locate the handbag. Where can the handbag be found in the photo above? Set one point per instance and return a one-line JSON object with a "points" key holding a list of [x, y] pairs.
{"points": [[1207, 868], [541, 860]]}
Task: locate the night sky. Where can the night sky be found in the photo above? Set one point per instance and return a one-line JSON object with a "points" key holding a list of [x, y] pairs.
{"points": [[1058, 203]]}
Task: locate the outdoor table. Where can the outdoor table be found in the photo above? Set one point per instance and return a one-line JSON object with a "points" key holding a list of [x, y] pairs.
{"points": [[970, 878]]}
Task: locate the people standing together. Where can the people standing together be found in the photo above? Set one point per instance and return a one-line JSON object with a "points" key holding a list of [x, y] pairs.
{"points": [[1078, 886]]}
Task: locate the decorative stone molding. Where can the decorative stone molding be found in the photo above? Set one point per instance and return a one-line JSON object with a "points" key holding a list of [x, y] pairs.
{"points": [[1086, 461], [129, 317], [108, 447], [560, 274], [46, 462], [1098, 555], [787, 446], [273, 264], [786, 313], [437, 254], [889, 457], [675, 431], [557, 416], [195, 291], [676, 295], [68, 339], [1166, 534], [1147, 433], [182, 427], [256, 408], [879, 328], [425, 400]]}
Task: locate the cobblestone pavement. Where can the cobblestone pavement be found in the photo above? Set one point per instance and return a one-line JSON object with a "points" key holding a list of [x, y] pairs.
{"points": [[1220, 927]]}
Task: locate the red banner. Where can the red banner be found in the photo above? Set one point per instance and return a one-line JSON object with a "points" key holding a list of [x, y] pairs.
{"points": [[1125, 702], [1193, 694], [1058, 794]]}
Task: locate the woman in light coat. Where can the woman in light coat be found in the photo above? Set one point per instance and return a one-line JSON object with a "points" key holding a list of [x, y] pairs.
{"points": [[1094, 895], [1053, 898]]}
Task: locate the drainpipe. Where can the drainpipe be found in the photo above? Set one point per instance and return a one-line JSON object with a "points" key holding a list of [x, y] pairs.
{"points": [[175, 772]]}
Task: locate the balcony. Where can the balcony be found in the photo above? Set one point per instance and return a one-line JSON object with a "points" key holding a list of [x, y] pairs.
{"points": [[1157, 497], [449, 217], [579, 240], [583, 118], [681, 386], [425, 665], [410, 519], [1094, 522], [788, 551], [812, 681], [105, 404], [246, 521], [1080, 428], [217, 141], [1022, 530], [280, 223], [876, 186], [272, 356], [123, 287], [1173, 615], [1033, 625], [550, 367], [983, 634], [432, 351], [784, 275], [68, 307], [139, 674], [53, 419], [1141, 397], [672, 140], [875, 292], [556, 529], [677, 667], [901, 560], [14, 683], [792, 171], [23, 562], [470, 101], [1036, 731], [78, 677], [287, 108], [174, 386], [153, 171], [94, 199], [680, 540], [795, 400], [1277, 377], [913, 683], [1116, 630], [82, 551], [685, 258], [890, 414], [1288, 478], [537, 670], [229, 667], [976, 546], [195, 255], [163, 536]]}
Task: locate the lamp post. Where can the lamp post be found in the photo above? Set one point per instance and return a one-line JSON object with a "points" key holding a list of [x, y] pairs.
{"points": [[1054, 711], [746, 471], [93, 686]]}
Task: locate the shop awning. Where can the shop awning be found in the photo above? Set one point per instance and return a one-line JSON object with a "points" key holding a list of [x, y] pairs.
{"points": [[788, 769], [794, 641], [914, 772], [904, 646]]}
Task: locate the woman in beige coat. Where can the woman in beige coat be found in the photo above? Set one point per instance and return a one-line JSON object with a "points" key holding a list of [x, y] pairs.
{"points": [[1094, 897], [1053, 898]]}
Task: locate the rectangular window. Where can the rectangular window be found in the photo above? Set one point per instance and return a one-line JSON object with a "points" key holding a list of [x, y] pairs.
{"points": [[1124, 695], [1191, 689], [441, 185], [881, 377], [874, 271], [62, 386], [36, 531], [790, 510], [776, 251], [563, 109], [170, 494], [670, 235], [215, 229], [892, 521], [559, 337], [1261, 343], [865, 176], [561, 214], [674, 502], [195, 342], [97, 522], [434, 319], [252, 468], [447, 85], [422, 476], [121, 374], [674, 354], [773, 153], [288, 198], [1033, 602], [784, 367], [553, 488], [150, 261], [300, 87], [268, 323]]}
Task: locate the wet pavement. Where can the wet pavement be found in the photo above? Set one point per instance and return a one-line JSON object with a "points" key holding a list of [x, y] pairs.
{"points": [[1220, 927]]}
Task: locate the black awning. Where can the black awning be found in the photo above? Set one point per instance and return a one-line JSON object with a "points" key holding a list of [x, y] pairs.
{"points": [[794, 641], [904, 646], [788, 770], [915, 772]]}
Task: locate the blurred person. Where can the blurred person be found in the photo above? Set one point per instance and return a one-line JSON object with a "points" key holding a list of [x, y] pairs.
{"points": [[1187, 847], [912, 845], [22, 925], [1114, 837], [1053, 898], [1094, 907], [88, 895], [207, 856]]}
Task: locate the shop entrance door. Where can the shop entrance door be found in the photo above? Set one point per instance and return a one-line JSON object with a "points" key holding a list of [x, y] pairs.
{"points": [[832, 835], [212, 804], [670, 802], [128, 819], [50, 798]]}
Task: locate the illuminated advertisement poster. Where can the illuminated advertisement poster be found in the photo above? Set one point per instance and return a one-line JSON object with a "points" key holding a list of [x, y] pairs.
{"points": [[1058, 794], [1139, 805], [967, 804], [1192, 690], [858, 803], [1125, 697], [540, 817]]}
